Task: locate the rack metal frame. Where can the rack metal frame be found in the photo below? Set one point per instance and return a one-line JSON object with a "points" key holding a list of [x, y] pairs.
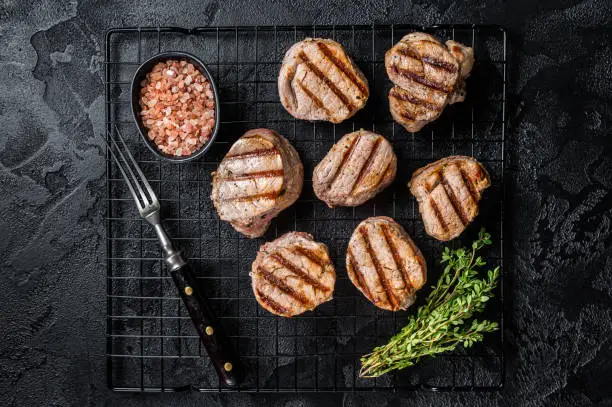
{"points": [[151, 346]]}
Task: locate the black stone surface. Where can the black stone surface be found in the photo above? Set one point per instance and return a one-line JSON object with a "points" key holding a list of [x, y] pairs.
{"points": [[559, 271]]}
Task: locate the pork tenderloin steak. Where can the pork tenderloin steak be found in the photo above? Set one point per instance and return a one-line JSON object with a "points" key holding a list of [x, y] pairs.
{"points": [[260, 176], [427, 76], [292, 274], [449, 191], [383, 262], [319, 81], [355, 169]]}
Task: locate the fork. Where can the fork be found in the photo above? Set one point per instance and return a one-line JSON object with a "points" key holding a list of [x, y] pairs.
{"points": [[211, 333]]}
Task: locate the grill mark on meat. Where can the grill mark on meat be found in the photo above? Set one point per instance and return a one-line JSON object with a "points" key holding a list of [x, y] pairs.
{"points": [[419, 79], [478, 173], [453, 200], [396, 257], [433, 186], [407, 115], [345, 159], [316, 71], [407, 52], [367, 164], [271, 278], [468, 183], [438, 214], [301, 274], [379, 270], [341, 66], [416, 251], [414, 100], [388, 170], [384, 174], [318, 102], [436, 63], [312, 256], [446, 66], [254, 175], [275, 306], [360, 279], [250, 198], [253, 153]]}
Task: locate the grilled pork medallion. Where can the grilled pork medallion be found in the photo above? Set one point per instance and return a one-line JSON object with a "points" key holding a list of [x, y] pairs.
{"points": [[293, 274], [448, 192], [384, 263], [427, 76], [261, 175], [318, 81], [356, 168]]}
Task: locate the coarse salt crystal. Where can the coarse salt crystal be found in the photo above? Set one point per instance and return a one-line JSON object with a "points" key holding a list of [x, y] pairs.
{"points": [[177, 108]]}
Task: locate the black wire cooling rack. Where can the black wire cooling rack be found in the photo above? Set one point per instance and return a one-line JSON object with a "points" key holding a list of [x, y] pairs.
{"points": [[151, 344]]}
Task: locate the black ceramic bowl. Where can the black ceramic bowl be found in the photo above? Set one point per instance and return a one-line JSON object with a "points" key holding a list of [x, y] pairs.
{"points": [[140, 75]]}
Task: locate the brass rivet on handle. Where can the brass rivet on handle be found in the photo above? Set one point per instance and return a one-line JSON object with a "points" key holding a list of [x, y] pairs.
{"points": [[188, 290], [227, 366], [209, 330]]}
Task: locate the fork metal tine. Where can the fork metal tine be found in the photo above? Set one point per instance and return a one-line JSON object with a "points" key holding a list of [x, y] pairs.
{"points": [[129, 168], [142, 177], [125, 176]]}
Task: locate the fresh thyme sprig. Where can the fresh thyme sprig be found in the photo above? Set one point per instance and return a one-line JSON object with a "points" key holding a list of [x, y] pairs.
{"points": [[442, 323]]}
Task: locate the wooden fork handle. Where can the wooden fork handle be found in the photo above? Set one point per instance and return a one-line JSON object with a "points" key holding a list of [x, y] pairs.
{"points": [[211, 333]]}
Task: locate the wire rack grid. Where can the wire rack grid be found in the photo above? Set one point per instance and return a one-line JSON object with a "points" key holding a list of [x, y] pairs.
{"points": [[151, 345]]}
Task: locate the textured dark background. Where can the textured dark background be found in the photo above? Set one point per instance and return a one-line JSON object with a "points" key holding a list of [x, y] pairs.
{"points": [[559, 271]]}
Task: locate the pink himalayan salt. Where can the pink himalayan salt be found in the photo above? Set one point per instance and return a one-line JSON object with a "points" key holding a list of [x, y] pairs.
{"points": [[178, 107]]}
